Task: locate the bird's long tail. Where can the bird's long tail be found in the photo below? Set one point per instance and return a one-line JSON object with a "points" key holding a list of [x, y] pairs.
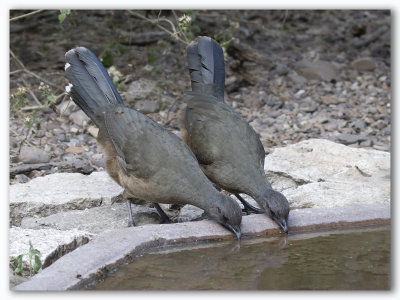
{"points": [[90, 85], [206, 65]]}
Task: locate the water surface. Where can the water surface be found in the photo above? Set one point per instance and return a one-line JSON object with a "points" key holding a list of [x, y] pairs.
{"points": [[337, 260]]}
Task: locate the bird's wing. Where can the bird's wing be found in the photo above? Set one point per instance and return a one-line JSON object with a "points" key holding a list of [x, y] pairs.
{"points": [[138, 140], [215, 127]]}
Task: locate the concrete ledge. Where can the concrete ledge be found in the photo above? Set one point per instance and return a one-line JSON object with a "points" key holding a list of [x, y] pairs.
{"points": [[110, 250]]}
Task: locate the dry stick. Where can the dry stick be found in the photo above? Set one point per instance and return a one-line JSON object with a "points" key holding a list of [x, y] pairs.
{"points": [[16, 133], [30, 92], [32, 107], [155, 22], [284, 19], [26, 15], [33, 74]]}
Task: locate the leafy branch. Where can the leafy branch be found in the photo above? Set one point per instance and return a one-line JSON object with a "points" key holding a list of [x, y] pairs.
{"points": [[177, 34]]}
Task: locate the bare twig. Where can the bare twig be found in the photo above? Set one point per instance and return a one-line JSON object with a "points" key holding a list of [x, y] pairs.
{"points": [[23, 141], [174, 33], [16, 71], [33, 107], [26, 15], [284, 19], [24, 69], [362, 172], [30, 91]]}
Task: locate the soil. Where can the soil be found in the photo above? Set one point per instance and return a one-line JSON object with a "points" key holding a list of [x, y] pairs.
{"points": [[293, 75]]}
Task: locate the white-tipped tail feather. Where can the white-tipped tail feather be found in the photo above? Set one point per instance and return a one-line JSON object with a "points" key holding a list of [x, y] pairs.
{"points": [[68, 87]]}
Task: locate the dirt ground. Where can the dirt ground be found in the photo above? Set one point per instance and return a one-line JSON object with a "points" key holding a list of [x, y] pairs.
{"points": [[293, 75]]}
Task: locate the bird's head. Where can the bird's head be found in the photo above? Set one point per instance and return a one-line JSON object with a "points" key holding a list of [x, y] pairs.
{"points": [[276, 206], [228, 213]]}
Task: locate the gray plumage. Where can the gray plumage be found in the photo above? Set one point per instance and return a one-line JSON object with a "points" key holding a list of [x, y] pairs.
{"points": [[150, 162], [228, 149]]}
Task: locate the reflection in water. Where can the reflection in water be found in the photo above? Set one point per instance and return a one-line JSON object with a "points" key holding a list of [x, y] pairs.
{"points": [[335, 260]]}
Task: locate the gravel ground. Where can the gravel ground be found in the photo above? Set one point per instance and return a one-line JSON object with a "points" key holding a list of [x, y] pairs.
{"points": [[292, 75]]}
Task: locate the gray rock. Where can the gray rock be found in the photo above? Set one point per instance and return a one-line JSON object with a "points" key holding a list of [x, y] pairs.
{"points": [[94, 220], [348, 139], [297, 79], [367, 143], [79, 118], [321, 173], [360, 124], [139, 89], [364, 64], [15, 279], [65, 108], [189, 213], [21, 178], [147, 106], [41, 133], [59, 151], [57, 192], [33, 155], [51, 243], [252, 101], [328, 99], [317, 70], [97, 159], [312, 173]]}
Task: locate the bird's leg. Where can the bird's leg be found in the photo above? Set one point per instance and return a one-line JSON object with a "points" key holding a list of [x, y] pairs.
{"points": [[248, 207], [127, 197], [131, 222], [163, 215]]}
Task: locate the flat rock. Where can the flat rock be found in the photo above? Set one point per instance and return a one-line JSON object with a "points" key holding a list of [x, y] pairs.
{"points": [[348, 139], [321, 173], [317, 70], [33, 155], [364, 64], [147, 106], [112, 249], [51, 243], [94, 220], [311, 174], [57, 192], [79, 118], [139, 89]]}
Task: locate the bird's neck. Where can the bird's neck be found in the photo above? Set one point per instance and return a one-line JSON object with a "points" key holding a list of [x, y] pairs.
{"points": [[259, 191]]}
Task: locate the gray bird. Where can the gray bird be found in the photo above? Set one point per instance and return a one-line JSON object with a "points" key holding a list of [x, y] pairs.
{"points": [[228, 149], [148, 161]]}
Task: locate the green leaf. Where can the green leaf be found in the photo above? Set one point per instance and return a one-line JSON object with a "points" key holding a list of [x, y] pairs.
{"points": [[64, 13], [37, 265], [61, 18], [18, 262], [51, 98], [151, 58], [18, 271]]}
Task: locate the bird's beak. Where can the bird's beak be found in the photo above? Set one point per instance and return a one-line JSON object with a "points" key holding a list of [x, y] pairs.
{"points": [[283, 224], [234, 229]]}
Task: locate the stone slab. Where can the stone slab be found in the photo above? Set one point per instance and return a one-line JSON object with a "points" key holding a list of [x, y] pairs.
{"points": [[110, 250]]}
